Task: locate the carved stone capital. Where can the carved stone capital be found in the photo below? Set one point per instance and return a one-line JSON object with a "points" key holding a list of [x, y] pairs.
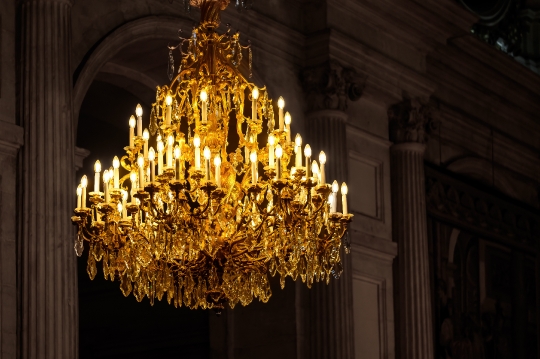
{"points": [[330, 86], [410, 121]]}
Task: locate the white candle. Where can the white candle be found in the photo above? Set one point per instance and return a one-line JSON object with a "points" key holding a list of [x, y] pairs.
{"points": [[255, 96], [315, 171], [132, 124], [322, 160], [79, 194], [335, 188], [97, 170], [116, 174], [197, 144], [106, 185], [151, 159], [217, 165], [281, 106], [160, 148], [177, 156], [133, 178], [168, 111], [288, 120], [298, 151], [279, 153], [253, 158], [170, 147], [207, 155], [271, 143], [138, 112], [146, 137], [84, 184], [124, 204], [344, 191], [140, 162], [307, 153], [204, 106]]}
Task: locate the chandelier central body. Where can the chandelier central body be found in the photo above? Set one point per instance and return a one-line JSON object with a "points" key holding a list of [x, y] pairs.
{"points": [[208, 215]]}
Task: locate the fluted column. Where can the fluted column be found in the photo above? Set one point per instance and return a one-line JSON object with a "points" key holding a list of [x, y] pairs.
{"points": [[47, 267], [328, 318], [409, 123]]}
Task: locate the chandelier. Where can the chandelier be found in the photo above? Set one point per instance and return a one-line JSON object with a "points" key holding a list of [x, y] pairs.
{"points": [[208, 215]]}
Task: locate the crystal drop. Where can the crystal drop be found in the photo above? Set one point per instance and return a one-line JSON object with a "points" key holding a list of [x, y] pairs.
{"points": [[282, 281], [91, 267], [153, 123], [338, 270], [125, 285], [79, 246]]}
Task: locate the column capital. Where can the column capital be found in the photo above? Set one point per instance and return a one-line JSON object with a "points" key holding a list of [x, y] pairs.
{"points": [[330, 86], [411, 121]]}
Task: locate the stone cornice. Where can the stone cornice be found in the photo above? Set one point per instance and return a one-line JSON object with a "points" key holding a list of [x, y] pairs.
{"points": [[453, 201]]}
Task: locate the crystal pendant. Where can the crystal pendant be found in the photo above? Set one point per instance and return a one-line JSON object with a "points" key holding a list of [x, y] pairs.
{"points": [[79, 246]]}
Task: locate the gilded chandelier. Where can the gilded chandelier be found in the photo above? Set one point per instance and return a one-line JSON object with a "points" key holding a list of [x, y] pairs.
{"points": [[205, 217]]}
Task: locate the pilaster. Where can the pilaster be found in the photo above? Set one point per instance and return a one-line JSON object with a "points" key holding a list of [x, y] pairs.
{"points": [[46, 267]]}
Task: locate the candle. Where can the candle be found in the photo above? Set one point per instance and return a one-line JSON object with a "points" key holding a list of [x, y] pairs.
{"points": [[116, 175], [322, 160], [132, 124], [168, 111], [217, 165], [106, 185], [133, 178], [204, 105], [97, 170], [177, 155], [255, 96], [138, 112], [84, 184], [197, 144], [124, 204], [79, 193], [298, 151], [315, 171], [279, 153], [344, 191], [281, 106], [335, 188], [207, 155], [288, 120], [160, 148], [307, 153], [170, 146], [151, 159], [271, 143], [140, 163], [146, 137], [253, 158]]}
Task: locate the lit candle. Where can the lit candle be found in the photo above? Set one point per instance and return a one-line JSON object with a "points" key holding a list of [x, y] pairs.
{"points": [[298, 151], [106, 185], [120, 207], [151, 159], [133, 178], [146, 137], [207, 155], [160, 148], [288, 120], [170, 147], [253, 158], [344, 191], [279, 153], [97, 170], [116, 175], [84, 184], [315, 171], [204, 105], [124, 204], [217, 165], [197, 144], [168, 102], [335, 188], [255, 96], [281, 106], [177, 155], [79, 194], [307, 153], [138, 112], [322, 160], [271, 143], [132, 124], [140, 163]]}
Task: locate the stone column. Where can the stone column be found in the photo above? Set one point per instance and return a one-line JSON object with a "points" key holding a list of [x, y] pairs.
{"points": [[409, 122], [48, 325], [328, 309]]}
